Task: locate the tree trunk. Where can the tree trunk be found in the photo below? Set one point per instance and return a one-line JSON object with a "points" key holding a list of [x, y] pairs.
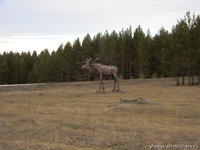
{"points": [[69, 78], [177, 81], [189, 78], [192, 79], [130, 71], [141, 74], [123, 66], [183, 80], [189, 71], [88, 76]]}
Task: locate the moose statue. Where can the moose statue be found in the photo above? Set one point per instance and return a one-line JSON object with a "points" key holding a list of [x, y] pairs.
{"points": [[102, 70]]}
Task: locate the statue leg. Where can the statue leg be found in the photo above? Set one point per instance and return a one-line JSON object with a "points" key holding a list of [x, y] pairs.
{"points": [[114, 85], [101, 85], [118, 89], [116, 82]]}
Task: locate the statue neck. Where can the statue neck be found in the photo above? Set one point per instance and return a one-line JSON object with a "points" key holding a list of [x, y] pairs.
{"points": [[96, 66]]}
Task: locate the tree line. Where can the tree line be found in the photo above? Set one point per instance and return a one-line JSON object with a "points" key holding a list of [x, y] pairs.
{"points": [[136, 54]]}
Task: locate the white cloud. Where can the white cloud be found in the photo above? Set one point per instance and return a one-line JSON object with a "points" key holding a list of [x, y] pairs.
{"points": [[34, 42]]}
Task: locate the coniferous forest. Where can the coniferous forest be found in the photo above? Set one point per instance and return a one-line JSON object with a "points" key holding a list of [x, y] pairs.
{"points": [[174, 53]]}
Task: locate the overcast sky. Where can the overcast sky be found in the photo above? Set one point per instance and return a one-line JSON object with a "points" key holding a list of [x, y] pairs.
{"points": [[27, 25]]}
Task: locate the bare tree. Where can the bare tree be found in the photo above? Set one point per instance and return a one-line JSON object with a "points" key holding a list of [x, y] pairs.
{"points": [[102, 70]]}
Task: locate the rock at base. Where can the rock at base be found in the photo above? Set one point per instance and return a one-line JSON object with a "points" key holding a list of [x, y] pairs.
{"points": [[139, 100]]}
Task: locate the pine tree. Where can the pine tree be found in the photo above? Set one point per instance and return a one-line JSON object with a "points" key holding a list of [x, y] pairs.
{"points": [[69, 60], [162, 51], [139, 46], [77, 62]]}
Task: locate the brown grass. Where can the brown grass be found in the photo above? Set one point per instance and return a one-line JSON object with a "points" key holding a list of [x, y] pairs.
{"points": [[72, 116]]}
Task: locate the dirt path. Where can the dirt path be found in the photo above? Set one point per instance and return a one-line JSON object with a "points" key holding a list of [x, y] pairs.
{"points": [[22, 87]]}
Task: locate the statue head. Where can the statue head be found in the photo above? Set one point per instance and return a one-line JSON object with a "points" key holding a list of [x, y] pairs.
{"points": [[88, 64]]}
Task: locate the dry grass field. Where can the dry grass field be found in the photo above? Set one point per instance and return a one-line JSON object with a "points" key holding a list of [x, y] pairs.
{"points": [[72, 116]]}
